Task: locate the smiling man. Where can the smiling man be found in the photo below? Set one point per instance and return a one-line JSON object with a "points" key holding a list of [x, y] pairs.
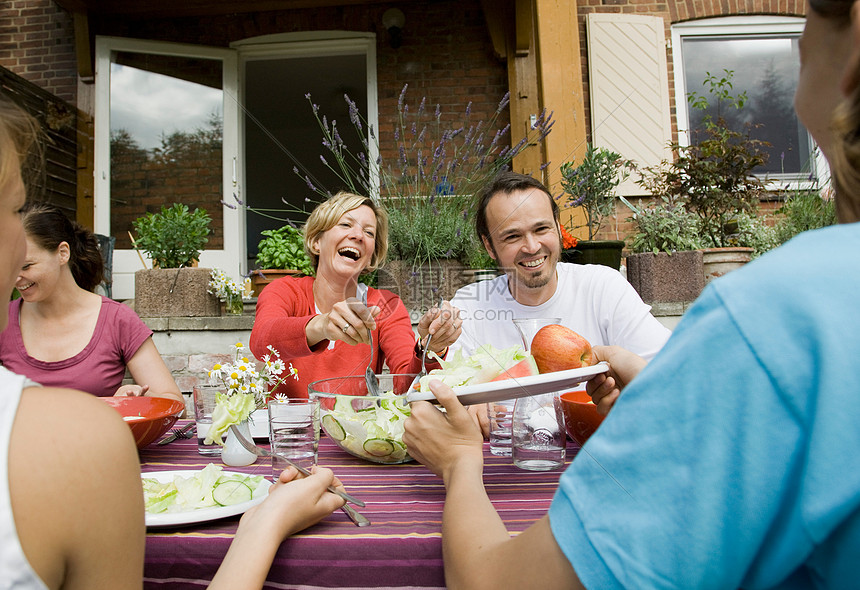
{"points": [[518, 223]]}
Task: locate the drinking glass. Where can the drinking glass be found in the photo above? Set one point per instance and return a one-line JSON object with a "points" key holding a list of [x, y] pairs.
{"points": [[538, 434], [204, 403], [293, 433], [500, 413], [528, 327], [537, 430]]}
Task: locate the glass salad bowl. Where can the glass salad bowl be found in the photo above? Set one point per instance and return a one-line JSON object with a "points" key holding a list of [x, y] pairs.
{"points": [[366, 426]]}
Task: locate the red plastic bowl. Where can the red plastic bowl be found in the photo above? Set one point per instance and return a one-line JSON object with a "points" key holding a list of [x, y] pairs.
{"points": [[580, 415], [148, 417]]}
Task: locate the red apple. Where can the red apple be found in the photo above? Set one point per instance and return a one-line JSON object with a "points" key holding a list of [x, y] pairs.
{"points": [[557, 348]]}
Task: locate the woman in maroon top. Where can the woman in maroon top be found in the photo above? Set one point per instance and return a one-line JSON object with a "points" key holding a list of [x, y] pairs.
{"points": [[61, 333], [320, 325]]}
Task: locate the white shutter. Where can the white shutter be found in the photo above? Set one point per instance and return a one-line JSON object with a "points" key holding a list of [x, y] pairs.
{"points": [[629, 89]]}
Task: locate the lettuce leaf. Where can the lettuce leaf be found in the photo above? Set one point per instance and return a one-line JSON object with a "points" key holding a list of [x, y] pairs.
{"points": [[484, 365]]}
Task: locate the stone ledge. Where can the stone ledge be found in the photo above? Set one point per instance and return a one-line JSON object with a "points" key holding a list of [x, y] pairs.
{"points": [[673, 308], [169, 324]]}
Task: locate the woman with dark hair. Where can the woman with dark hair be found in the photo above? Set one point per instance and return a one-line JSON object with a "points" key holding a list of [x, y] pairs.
{"points": [[63, 334], [730, 460]]}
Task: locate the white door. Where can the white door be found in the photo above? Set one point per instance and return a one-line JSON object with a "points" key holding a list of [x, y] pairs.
{"points": [[171, 123], [166, 132]]}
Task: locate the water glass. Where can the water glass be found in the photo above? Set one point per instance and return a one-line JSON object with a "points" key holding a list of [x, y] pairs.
{"points": [[500, 414], [204, 403], [539, 436], [528, 327], [293, 433]]}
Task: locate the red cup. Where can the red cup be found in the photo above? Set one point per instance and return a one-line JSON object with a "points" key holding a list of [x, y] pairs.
{"points": [[580, 415]]}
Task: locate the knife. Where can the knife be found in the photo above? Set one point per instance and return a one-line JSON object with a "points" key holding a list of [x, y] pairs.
{"points": [[177, 432]]}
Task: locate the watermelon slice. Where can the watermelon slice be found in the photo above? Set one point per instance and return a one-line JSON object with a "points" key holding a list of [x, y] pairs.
{"points": [[524, 368]]}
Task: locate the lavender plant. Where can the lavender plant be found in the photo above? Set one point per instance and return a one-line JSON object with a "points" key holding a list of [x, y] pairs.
{"points": [[428, 188]]}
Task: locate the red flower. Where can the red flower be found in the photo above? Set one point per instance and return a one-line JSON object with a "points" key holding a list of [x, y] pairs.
{"points": [[567, 240]]}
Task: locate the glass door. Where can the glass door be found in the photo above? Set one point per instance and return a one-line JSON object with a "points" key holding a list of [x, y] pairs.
{"points": [[166, 132]]}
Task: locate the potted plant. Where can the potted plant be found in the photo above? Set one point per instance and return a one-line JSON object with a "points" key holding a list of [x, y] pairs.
{"points": [[665, 264], [591, 185], [173, 238], [708, 195], [427, 190], [280, 253]]}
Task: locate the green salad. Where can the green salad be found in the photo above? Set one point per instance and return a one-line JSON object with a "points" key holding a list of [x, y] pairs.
{"points": [[207, 488], [373, 432], [485, 364]]}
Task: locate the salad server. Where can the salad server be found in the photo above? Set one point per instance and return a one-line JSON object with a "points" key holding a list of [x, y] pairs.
{"points": [[369, 376], [356, 517]]}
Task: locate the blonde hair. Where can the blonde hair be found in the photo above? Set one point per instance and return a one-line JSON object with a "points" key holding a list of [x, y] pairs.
{"points": [[328, 213], [844, 154], [845, 159], [19, 133]]}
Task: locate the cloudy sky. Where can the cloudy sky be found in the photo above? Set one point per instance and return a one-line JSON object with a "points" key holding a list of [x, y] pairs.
{"points": [[148, 105]]}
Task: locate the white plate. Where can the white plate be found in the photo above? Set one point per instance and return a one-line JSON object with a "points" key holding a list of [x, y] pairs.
{"points": [[495, 391], [260, 424], [201, 514]]}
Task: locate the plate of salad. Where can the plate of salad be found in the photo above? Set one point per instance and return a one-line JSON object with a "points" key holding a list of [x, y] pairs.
{"points": [[188, 496], [492, 374]]}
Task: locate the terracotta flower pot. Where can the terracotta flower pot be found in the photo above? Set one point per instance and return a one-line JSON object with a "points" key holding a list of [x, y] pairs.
{"points": [[718, 261], [262, 277]]}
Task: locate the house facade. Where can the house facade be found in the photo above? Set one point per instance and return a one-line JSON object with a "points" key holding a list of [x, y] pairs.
{"points": [[211, 104]]}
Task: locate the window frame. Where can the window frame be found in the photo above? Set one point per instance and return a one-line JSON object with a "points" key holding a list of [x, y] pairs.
{"points": [[740, 26]]}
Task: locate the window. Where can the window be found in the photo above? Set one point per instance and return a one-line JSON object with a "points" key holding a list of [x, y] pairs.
{"points": [[761, 57]]}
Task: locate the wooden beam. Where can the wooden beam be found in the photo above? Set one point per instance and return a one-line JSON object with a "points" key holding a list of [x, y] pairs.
{"points": [[524, 27], [561, 89], [497, 17], [525, 97], [84, 48], [191, 8]]}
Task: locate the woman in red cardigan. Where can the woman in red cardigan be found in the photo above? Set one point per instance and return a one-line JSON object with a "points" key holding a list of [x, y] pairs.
{"points": [[319, 324]]}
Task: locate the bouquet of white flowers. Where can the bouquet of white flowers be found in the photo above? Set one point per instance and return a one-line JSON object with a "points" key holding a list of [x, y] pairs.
{"points": [[229, 290], [247, 388]]}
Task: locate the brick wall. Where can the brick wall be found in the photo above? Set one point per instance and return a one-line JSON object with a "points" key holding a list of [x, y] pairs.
{"points": [[37, 42], [446, 55]]}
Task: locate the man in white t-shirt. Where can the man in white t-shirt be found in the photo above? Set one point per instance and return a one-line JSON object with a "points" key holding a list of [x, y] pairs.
{"points": [[518, 222]]}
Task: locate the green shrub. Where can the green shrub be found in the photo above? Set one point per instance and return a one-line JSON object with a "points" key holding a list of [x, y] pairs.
{"points": [[803, 211], [174, 237], [283, 248]]}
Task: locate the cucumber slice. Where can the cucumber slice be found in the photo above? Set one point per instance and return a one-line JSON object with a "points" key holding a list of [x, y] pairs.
{"points": [[333, 427], [232, 492], [343, 404], [379, 447]]}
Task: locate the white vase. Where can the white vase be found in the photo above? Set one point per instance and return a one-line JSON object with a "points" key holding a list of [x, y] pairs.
{"points": [[233, 453]]}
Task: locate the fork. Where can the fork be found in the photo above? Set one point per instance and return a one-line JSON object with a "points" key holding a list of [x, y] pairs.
{"points": [[427, 344], [184, 432], [369, 376], [355, 516]]}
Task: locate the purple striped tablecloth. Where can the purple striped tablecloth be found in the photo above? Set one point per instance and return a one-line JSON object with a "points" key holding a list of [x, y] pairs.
{"points": [[401, 549]]}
